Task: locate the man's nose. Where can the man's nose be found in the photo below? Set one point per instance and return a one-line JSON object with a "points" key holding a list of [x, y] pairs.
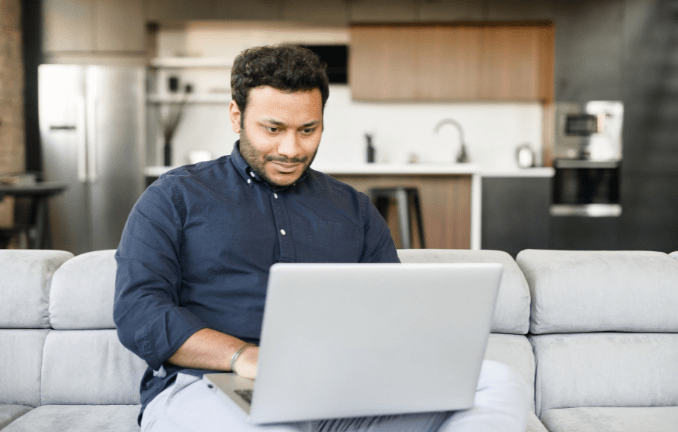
{"points": [[289, 145]]}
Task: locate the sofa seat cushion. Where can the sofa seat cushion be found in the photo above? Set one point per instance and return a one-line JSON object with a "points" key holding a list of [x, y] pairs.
{"points": [[633, 419], [9, 413], [534, 425], [78, 418]]}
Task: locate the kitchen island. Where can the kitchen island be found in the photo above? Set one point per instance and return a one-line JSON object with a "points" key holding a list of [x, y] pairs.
{"points": [[450, 197], [449, 194]]}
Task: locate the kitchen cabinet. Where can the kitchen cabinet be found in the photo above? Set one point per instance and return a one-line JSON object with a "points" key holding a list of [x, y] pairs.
{"points": [[68, 25], [502, 62], [90, 26], [515, 212]]}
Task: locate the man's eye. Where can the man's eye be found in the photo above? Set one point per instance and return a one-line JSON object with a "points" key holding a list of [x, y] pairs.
{"points": [[308, 131], [272, 129]]}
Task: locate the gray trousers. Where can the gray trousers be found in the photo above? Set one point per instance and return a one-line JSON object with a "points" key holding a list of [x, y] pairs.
{"points": [[501, 404]]}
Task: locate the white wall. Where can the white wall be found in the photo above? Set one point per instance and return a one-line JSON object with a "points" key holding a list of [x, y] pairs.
{"points": [[491, 130]]}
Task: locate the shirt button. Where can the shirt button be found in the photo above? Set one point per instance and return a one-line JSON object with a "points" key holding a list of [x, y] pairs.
{"points": [[249, 181], [282, 231], [275, 195], [251, 174]]}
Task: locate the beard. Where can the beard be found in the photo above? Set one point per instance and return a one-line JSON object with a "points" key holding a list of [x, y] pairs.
{"points": [[257, 160]]}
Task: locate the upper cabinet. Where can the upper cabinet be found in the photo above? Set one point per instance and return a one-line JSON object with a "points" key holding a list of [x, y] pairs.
{"points": [[498, 62], [81, 26]]}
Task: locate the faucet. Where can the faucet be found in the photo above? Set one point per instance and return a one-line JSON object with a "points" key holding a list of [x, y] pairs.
{"points": [[462, 154]]}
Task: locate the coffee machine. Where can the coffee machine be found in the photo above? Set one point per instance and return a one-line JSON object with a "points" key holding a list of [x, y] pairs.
{"points": [[588, 156]]}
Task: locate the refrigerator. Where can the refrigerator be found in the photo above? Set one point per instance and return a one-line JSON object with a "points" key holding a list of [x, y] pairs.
{"points": [[92, 130]]}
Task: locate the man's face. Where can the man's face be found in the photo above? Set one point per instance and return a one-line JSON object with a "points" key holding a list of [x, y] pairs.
{"points": [[281, 132]]}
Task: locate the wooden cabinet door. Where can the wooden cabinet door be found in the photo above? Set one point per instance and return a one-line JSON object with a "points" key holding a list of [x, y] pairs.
{"points": [[511, 66], [68, 25], [120, 25], [383, 64], [451, 62], [87, 26]]}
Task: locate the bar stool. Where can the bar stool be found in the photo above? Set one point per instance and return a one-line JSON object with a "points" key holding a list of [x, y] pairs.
{"points": [[405, 199]]}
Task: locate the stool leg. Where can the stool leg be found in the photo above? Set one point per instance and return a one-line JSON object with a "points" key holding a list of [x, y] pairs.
{"points": [[404, 220], [420, 221], [382, 204], [39, 227]]}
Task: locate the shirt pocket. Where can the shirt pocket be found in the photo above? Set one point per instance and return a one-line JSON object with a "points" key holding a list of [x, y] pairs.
{"points": [[331, 242]]}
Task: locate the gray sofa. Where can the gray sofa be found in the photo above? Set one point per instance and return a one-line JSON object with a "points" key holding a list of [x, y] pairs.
{"points": [[595, 334]]}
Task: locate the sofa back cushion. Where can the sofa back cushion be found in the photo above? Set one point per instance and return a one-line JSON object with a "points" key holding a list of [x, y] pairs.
{"points": [[606, 370], [512, 310], [82, 292], [25, 277], [592, 291]]}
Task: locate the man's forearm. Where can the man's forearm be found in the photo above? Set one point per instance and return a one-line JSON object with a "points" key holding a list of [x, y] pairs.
{"points": [[213, 350]]}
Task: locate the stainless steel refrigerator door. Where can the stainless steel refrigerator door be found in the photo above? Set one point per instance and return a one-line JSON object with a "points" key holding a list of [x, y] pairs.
{"points": [[61, 98], [115, 143]]}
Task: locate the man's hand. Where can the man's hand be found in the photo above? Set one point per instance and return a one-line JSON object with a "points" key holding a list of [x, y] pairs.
{"points": [[246, 364]]}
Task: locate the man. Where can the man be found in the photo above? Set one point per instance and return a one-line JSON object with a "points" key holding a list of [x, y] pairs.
{"points": [[194, 257]]}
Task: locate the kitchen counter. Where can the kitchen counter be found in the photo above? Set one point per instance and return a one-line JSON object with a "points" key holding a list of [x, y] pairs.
{"points": [[450, 196]]}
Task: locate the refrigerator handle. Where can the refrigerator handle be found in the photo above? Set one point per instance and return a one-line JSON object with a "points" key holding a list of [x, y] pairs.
{"points": [[82, 142], [92, 172]]}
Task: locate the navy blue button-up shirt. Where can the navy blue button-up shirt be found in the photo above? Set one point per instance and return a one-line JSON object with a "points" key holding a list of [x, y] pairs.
{"points": [[198, 245]]}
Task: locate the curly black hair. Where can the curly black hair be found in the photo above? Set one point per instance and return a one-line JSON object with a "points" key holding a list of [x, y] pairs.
{"points": [[284, 67]]}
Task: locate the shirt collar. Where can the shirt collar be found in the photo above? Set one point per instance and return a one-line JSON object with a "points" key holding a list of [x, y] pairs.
{"points": [[247, 173]]}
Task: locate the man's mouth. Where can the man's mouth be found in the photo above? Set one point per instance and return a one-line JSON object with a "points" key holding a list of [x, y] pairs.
{"points": [[286, 166]]}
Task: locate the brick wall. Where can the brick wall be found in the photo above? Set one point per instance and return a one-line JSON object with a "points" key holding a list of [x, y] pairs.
{"points": [[11, 97]]}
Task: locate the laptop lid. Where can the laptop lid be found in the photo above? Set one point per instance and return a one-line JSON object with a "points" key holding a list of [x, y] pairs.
{"points": [[344, 340]]}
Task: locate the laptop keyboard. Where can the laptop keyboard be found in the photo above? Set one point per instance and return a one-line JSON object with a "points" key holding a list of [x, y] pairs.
{"points": [[246, 395]]}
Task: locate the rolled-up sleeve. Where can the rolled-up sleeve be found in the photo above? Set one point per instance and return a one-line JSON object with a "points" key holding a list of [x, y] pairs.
{"points": [[147, 312]]}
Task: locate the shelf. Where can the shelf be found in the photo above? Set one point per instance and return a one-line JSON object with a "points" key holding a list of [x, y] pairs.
{"points": [[216, 98], [191, 62]]}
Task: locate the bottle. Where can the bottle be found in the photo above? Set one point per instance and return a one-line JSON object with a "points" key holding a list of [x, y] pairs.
{"points": [[370, 149]]}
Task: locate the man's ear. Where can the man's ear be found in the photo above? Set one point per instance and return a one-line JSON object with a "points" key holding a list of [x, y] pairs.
{"points": [[235, 115]]}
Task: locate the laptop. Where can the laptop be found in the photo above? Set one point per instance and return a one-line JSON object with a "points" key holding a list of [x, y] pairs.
{"points": [[354, 340]]}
